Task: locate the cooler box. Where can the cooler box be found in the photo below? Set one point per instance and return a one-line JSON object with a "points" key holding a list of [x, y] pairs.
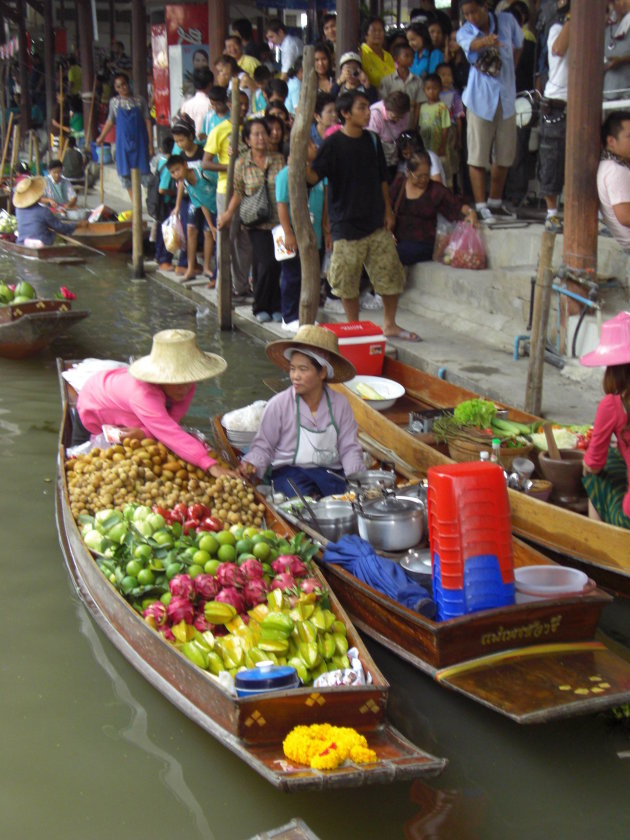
{"points": [[362, 343]]}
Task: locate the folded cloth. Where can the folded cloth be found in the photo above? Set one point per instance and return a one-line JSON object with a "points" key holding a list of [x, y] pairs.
{"points": [[359, 558]]}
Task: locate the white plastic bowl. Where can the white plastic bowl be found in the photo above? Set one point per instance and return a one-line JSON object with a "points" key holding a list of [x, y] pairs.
{"points": [[390, 390], [536, 583]]}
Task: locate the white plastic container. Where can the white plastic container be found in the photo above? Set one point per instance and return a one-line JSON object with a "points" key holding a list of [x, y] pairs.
{"points": [[537, 583]]}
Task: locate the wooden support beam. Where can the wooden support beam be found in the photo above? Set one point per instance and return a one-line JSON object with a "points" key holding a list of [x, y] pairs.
{"points": [[39, 7], [86, 25], [7, 12], [49, 62], [218, 27], [347, 27], [139, 47], [25, 94]]}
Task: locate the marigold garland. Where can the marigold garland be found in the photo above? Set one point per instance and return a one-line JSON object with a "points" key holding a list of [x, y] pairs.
{"points": [[324, 747]]}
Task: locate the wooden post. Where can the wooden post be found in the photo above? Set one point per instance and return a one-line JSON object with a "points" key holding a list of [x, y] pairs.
{"points": [[218, 27], [139, 47], [540, 317], [298, 198], [224, 286], [38, 168], [347, 27], [61, 138], [7, 138], [15, 148], [88, 79], [136, 224], [25, 95], [112, 20], [49, 63]]}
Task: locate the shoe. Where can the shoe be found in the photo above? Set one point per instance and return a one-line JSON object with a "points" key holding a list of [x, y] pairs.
{"points": [[166, 266], [485, 215], [370, 301], [263, 317], [277, 317], [553, 224], [292, 326], [500, 211], [334, 305]]}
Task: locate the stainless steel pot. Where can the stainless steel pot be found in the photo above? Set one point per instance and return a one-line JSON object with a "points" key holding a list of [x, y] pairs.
{"points": [[392, 523], [334, 518], [367, 479]]}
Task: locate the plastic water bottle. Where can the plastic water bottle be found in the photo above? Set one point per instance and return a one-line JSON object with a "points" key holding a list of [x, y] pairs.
{"points": [[484, 455], [495, 456]]}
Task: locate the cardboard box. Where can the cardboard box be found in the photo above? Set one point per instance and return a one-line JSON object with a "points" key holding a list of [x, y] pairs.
{"points": [[362, 343]]}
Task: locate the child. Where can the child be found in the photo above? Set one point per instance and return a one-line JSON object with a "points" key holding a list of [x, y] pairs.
{"points": [[453, 101], [410, 143], [59, 192], [388, 119], [167, 189], [325, 116], [262, 75], [73, 162], [202, 193], [435, 119], [219, 110], [403, 79]]}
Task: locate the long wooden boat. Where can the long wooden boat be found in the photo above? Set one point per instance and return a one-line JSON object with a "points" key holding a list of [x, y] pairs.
{"points": [[253, 728], [532, 662], [106, 236], [26, 328], [604, 548], [58, 254]]}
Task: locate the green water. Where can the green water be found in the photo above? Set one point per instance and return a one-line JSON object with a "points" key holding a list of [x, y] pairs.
{"points": [[91, 750]]}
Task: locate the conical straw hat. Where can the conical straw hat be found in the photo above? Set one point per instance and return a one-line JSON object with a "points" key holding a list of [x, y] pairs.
{"points": [[175, 359], [29, 191], [319, 340]]}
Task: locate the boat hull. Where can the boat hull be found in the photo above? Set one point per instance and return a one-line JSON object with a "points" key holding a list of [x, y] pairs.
{"points": [[25, 329], [58, 254]]}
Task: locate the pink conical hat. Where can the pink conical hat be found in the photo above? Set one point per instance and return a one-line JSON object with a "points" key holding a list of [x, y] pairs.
{"points": [[614, 343]]}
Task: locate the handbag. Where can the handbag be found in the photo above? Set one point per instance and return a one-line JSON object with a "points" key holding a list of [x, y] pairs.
{"points": [[490, 62], [256, 209]]}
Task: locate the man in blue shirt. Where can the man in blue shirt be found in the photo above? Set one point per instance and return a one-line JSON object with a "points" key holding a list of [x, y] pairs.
{"points": [[492, 44]]}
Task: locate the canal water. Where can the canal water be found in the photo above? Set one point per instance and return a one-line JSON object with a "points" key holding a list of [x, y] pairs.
{"points": [[91, 750]]}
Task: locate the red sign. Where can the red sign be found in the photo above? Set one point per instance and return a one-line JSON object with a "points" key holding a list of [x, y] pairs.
{"points": [[186, 24], [161, 88]]}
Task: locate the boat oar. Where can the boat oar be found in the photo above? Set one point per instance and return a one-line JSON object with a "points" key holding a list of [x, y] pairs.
{"points": [[80, 244], [6, 144], [100, 174]]}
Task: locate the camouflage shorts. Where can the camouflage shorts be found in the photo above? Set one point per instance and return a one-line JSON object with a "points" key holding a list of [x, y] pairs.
{"points": [[377, 252]]}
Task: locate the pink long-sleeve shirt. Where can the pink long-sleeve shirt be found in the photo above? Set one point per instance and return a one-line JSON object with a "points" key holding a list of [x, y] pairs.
{"points": [[115, 397], [276, 439], [611, 419]]}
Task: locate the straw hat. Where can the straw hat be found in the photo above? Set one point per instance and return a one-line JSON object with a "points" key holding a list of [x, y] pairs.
{"points": [[321, 342], [29, 191], [614, 343], [176, 359]]}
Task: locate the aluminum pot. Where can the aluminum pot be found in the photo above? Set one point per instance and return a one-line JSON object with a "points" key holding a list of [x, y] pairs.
{"points": [[334, 518], [367, 479], [392, 523]]}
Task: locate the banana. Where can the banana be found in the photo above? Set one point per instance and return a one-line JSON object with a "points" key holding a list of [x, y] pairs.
{"points": [[368, 393]]}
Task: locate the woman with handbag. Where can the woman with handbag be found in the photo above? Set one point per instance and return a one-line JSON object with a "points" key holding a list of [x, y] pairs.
{"points": [[254, 198]]}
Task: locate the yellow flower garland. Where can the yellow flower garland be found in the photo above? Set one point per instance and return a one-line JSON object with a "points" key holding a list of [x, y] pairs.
{"points": [[325, 747]]}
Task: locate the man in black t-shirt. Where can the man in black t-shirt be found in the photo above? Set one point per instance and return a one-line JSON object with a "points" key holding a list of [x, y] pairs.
{"points": [[360, 213]]}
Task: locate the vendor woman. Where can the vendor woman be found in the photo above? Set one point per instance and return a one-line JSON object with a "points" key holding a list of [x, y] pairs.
{"points": [[37, 226], [606, 468], [307, 431], [149, 398]]}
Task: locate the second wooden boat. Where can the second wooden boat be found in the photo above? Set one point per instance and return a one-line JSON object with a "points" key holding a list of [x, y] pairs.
{"points": [[106, 236], [58, 254], [26, 328]]}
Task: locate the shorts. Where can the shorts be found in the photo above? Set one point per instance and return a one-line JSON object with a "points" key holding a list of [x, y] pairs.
{"points": [[125, 181], [553, 137], [498, 135], [377, 252], [196, 218]]}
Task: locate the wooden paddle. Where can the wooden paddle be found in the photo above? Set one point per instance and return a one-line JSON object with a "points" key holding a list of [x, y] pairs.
{"points": [[552, 446], [100, 174], [6, 144], [78, 242]]}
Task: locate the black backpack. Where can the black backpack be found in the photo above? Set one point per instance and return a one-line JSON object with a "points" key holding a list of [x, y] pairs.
{"points": [[156, 206]]}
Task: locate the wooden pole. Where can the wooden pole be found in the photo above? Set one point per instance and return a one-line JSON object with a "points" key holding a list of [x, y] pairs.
{"points": [[540, 317], [5, 148], [298, 197], [25, 95], [38, 168], [14, 158], [49, 63], [88, 78], [347, 27], [139, 47], [61, 140], [136, 224], [100, 175], [90, 122], [224, 285], [218, 27]]}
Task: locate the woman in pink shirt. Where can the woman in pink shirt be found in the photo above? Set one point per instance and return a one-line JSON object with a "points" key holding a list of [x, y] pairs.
{"points": [[606, 469], [149, 398]]}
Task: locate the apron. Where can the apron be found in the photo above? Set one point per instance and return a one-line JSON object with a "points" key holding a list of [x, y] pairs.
{"points": [[131, 142], [58, 190], [313, 447]]}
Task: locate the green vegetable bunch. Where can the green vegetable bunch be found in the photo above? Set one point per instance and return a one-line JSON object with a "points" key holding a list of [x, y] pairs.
{"points": [[475, 412]]}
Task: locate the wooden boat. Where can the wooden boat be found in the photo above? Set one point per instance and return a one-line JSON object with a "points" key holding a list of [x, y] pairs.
{"points": [[58, 254], [253, 728], [296, 829], [26, 328], [532, 662], [604, 548], [106, 236]]}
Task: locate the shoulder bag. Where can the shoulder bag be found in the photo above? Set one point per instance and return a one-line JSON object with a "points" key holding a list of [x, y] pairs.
{"points": [[256, 209]]}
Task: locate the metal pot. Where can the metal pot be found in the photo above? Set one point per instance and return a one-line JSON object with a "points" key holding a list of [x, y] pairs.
{"points": [[393, 523], [371, 478], [334, 518]]}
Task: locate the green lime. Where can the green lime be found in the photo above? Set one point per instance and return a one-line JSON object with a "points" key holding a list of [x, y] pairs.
{"points": [[250, 532], [243, 546], [142, 551], [209, 543], [261, 550], [166, 598], [211, 567], [173, 569], [128, 583], [133, 568], [200, 557], [226, 554], [237, 530], [225, 538], [146, 577], [195, 570]]}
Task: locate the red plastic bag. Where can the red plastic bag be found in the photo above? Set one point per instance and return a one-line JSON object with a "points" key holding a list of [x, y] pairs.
{"points": [[466, 249]]}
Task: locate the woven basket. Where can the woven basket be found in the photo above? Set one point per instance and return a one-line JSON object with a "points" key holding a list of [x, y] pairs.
{"points": [[465, 448]]}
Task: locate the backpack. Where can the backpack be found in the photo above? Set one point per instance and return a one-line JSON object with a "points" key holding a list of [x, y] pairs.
{"points": [[156, 206]]}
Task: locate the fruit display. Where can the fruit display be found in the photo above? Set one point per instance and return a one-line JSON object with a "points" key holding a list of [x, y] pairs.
{"points": [[8, 223], [146, 472], [23, 292]]}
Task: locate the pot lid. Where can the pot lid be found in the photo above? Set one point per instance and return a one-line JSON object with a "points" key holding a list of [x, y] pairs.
{"points": [[266, 675], [372, 475], [389, 505]]}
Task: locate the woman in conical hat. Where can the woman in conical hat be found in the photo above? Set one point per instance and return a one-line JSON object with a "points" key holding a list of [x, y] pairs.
{"points": [[37, 226], [308, 430], [149, 398], [606, 469]]}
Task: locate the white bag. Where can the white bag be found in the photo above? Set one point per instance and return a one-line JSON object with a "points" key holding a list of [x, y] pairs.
{"points": [[280, 250]]}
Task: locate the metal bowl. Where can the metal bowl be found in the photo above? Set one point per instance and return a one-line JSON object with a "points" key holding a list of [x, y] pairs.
{"points": [[334, 518]]}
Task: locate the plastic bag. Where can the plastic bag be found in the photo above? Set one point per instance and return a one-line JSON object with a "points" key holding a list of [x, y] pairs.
{"points": [[173, 234], [466, 249], [443, 231]]}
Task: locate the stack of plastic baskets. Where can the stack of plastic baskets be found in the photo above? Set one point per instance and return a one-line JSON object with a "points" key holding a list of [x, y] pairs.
{"points": [[471, 538]]}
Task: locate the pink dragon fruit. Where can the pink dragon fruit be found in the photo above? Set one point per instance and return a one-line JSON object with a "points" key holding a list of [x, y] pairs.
{"points": [[200, 623], [230, 595], [181, 586], [252, 568], [310, 584], [206, 586], [283, 581], [167, 633], [229, 574], [180, 609], [289, 563], [156, 613], [255, 592]]}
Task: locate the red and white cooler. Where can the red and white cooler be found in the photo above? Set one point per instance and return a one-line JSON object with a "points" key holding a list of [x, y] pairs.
{"points": [[362, 343]]}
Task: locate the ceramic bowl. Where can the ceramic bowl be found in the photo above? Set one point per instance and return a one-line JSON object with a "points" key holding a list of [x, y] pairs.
{"points": [[387, 388]]}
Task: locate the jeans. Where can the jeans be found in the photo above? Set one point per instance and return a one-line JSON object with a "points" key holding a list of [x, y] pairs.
{"points": [[311, 481], [411, 252], [290, 287]]}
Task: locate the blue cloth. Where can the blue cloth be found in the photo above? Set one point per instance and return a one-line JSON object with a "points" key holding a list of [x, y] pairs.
{"points": [[290, 288], [426, 62], [293, 96], [38, 222], [203, 193], [315, 200], [132, 144], [312, 481], [483, 92], [359, 558], [182, 260]]}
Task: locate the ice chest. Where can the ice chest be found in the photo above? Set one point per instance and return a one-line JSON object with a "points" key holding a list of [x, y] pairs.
{"points": [[362, 343]]}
